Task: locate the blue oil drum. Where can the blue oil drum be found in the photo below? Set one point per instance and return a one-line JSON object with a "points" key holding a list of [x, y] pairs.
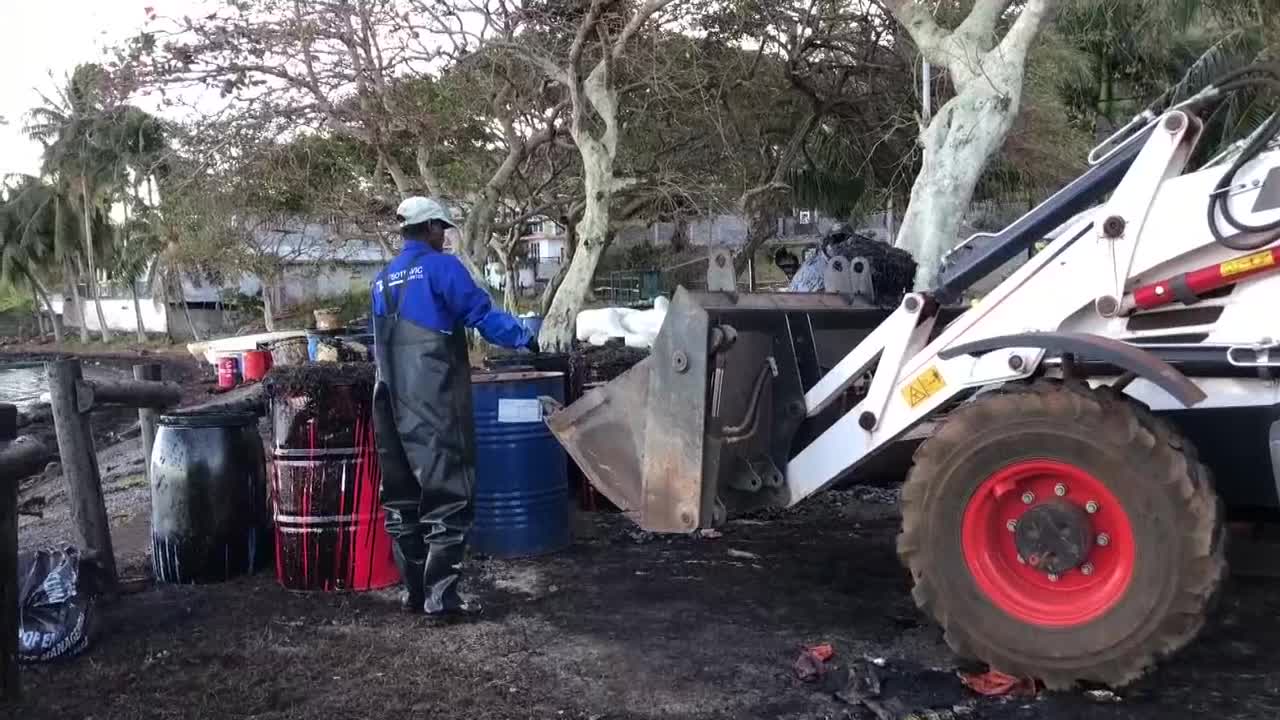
{"points": [[522, 488]]}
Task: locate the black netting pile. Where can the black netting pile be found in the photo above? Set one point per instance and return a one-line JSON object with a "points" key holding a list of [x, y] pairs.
{"points": [[893, 270], [311, 379]]}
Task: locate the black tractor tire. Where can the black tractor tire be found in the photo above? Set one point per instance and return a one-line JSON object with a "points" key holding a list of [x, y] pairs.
{"points": [[1167, 494]]}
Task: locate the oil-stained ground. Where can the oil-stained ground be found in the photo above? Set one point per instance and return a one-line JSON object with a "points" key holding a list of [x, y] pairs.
{"points": [[622, 625]]}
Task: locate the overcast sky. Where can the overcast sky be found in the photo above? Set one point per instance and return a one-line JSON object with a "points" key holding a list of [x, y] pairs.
{"points": [[49, 37]]}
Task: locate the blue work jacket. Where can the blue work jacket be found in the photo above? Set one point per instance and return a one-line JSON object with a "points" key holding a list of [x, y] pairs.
{"points": [[435, 291]]}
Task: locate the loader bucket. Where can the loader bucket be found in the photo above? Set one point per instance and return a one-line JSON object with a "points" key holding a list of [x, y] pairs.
{"points": [[706, 424]]}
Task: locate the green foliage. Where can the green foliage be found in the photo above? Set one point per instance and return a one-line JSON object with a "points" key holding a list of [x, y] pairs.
{"points": [[13, 299]]}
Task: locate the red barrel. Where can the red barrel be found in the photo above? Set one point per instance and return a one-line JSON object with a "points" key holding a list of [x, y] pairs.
{"points": [[330, 528], [228, 372], [256, 364]]}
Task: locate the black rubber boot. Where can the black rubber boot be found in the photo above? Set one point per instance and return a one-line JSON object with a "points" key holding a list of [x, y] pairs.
{"points": [[411, 572], [440, 580]]}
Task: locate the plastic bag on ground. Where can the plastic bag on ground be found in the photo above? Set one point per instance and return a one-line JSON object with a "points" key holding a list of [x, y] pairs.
{"points": [[638, 328], [55, 605]]}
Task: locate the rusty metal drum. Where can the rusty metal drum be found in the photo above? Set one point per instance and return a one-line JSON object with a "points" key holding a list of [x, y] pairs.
{"points": [[330, 528]]}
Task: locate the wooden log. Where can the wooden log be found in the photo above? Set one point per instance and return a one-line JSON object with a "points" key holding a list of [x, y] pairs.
{"points": [[131, 393], [22, 457], [80, 468], [147, 416], [10, 681], [8, 421], [248, 398]]}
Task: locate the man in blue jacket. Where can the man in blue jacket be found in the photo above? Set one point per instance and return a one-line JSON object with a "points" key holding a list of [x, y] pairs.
{"points": [[422, 303]]}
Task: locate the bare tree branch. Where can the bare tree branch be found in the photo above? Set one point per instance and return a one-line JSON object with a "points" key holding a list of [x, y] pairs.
{"points": [[979, 26], [1017, 42], [925, 32]]}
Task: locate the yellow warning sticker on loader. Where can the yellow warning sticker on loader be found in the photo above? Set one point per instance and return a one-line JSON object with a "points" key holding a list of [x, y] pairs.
{"points": [[1247, 263], [923, 387]]}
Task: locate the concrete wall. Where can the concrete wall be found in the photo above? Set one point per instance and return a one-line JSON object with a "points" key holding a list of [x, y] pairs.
{"points": [[303, 283], [120, 317]]}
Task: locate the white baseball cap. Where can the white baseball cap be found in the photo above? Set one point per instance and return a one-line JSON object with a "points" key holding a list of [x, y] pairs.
{"points": [[417, 209]]}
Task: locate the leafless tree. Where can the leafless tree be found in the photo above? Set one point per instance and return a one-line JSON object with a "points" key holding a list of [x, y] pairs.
{"points": [[577, 52], [366, 71]]}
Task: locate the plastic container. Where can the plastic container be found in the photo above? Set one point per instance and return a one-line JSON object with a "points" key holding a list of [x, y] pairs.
{"points": [[209, 519], [256, 363], [228, 372], [290, 351], [532, 322], [522, 491]]}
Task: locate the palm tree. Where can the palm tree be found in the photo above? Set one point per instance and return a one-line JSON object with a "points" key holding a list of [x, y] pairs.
{"points": [[138, 142], [42, 233], [24, 249], [136, 251], [80, 157]]}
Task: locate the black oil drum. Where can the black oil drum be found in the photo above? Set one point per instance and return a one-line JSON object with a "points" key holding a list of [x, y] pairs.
{"points": [[209, 517]]}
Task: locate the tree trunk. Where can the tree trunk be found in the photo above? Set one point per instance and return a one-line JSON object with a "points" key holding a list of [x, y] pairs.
{"points": [[87, 215], [186, 309], [965, 133], [680, 234], [42, 295], [761, 226], [137, 312], [268, 308], [553, 284], [511, 286], [969, 130], [560, 324], [35, 310], [74, 281]]}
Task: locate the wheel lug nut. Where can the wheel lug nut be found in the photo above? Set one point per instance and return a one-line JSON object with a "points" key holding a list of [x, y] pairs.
{"points": [[1053, 577], [1091, 507], [1012, 525], [1059, 489], [1103, 539], [1086, 569], [1028, 497]]}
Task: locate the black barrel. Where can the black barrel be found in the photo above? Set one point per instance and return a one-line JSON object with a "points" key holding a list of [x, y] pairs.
{"points": [[209, 519]]}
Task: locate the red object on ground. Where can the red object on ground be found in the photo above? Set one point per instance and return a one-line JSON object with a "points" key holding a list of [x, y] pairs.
{"points": [[1206, 279], [228, 372], [1018, 588], [823, 652], [812, 662], [995, 683], [256, 364]]}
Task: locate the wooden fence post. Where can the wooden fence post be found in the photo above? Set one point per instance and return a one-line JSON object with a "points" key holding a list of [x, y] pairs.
{"points": [[147, 416], [10, 682], [80, 468]]}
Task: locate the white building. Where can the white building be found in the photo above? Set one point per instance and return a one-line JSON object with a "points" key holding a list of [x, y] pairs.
{"points": [[318, 264]]}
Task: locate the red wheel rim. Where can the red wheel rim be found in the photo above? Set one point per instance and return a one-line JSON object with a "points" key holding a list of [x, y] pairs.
{"points": [[1022, 591]]}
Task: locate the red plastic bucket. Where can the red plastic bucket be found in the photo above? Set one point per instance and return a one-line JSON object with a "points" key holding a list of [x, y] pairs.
{"points": [[228, 372], [256, 364]]}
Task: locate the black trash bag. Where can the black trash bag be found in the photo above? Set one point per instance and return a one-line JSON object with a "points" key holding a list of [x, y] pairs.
{"points": [[55, 605]]}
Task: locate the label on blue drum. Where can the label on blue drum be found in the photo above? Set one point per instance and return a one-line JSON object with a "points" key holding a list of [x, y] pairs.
{"points": [[519, 410]]}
